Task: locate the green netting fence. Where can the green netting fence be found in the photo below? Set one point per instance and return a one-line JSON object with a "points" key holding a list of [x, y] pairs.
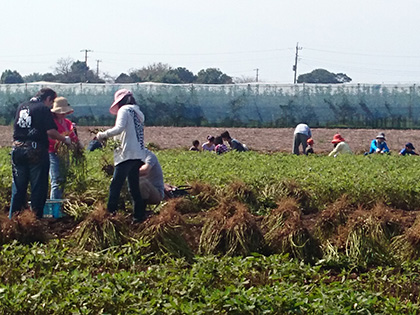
{"points": [[236, 105]]}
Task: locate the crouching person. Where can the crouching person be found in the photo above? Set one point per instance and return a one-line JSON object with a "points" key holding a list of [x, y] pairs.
{"points": [[151, 180]]}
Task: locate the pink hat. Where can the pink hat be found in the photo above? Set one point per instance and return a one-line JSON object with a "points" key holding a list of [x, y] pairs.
{"points": [[119, 95]]}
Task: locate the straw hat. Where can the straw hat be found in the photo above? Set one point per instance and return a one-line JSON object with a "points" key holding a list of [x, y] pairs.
{"points": [[118, 96], [337, 138], [61, 106]]}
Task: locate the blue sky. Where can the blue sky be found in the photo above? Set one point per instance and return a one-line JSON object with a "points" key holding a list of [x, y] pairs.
{"points": [[372, 41]]}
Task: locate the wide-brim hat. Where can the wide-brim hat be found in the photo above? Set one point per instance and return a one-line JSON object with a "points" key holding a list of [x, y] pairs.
{"points": [[337, 138], [61, 106], [118, 96], [380, 135]]}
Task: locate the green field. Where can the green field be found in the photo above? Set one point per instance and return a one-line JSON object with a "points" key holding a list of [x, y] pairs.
{"points": [[260, 233]]}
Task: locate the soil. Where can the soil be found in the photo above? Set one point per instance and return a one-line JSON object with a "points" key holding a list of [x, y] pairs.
{"points": [[259, 139]]}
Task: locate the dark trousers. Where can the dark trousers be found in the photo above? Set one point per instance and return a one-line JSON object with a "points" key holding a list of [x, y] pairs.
{"points": [[127, 170], [25, 172], [299, 139]]}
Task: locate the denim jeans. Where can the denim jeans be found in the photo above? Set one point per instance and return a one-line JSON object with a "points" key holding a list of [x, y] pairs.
{"points": [[56, 177], [35, 174], [127, 170]]}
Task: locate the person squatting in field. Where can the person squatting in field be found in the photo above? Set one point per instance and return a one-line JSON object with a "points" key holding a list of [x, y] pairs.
{"points": [[130, 153], [220, 147], [408, 150], [340, 146], [209, 145], [233, 143], [33, 125], [300, 137], [65, 127], [379, 145], [151, 180]]}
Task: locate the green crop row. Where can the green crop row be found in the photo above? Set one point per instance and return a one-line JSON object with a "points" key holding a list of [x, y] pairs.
{"points": [[54, 279], [316, 180]]}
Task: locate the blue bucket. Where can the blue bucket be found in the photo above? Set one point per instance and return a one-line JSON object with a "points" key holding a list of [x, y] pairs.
{"points": [[53, 208]]}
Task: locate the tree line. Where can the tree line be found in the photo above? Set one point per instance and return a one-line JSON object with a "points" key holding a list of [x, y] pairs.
{"points": [[69, 71]]}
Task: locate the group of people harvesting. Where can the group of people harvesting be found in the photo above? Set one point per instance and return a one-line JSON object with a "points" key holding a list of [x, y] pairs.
{"points": [[303, 137], [41, 127], [217, 145]]}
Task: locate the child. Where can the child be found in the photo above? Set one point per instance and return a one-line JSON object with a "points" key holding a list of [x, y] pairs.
{"points": [[310, 146], [195, 146], [220, 146], [408, 150], [209, 145]]}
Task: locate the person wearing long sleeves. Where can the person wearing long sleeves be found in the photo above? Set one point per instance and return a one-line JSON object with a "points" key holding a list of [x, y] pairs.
{"points": [[340, 146], [130, 153], [379, 145]]}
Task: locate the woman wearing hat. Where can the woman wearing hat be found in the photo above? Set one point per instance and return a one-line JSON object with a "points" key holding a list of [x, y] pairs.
{"points": [[379, 145], [65, 127], [340, 146], [130, 154]]}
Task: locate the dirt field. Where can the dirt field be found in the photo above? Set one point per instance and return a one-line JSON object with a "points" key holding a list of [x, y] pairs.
{"points": [[267, 139]]}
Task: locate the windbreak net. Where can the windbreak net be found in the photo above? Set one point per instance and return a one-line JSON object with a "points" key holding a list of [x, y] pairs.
{"points": [[236, 105]]}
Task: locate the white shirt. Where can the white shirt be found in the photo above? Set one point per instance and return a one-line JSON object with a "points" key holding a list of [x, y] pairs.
{"points": [[129, 132], [303, 129]]}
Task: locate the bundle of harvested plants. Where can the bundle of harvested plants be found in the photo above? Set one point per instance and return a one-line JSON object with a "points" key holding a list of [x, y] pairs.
{"points": [[101, 230], [231, 230], [285, 232], [24, 227], [165, 233]]}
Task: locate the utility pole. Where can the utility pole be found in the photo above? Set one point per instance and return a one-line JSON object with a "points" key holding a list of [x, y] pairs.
{"points": [[86, 54], [256, 77], [296, 60], [97, 67]]}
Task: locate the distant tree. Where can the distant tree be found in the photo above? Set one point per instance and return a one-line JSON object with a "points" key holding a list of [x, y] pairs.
{"points": [[213, 76], [78, 72], [33, 77], [49, 77], [170, 77], [63, 66], [184, 75], [10, 77], [152, 73], [323, 76], [124, 78], [244, 79]]}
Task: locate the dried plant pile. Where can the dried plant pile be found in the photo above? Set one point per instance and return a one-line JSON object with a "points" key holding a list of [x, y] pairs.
{"points": [[231, 230], [24, 227], [165, 233], [100, 230], [407, 246], [332, 217], [369, 235], [286, 233], [205, 195]]}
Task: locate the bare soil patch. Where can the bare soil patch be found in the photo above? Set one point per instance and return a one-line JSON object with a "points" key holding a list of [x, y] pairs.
{"points": [[259, 139]]}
